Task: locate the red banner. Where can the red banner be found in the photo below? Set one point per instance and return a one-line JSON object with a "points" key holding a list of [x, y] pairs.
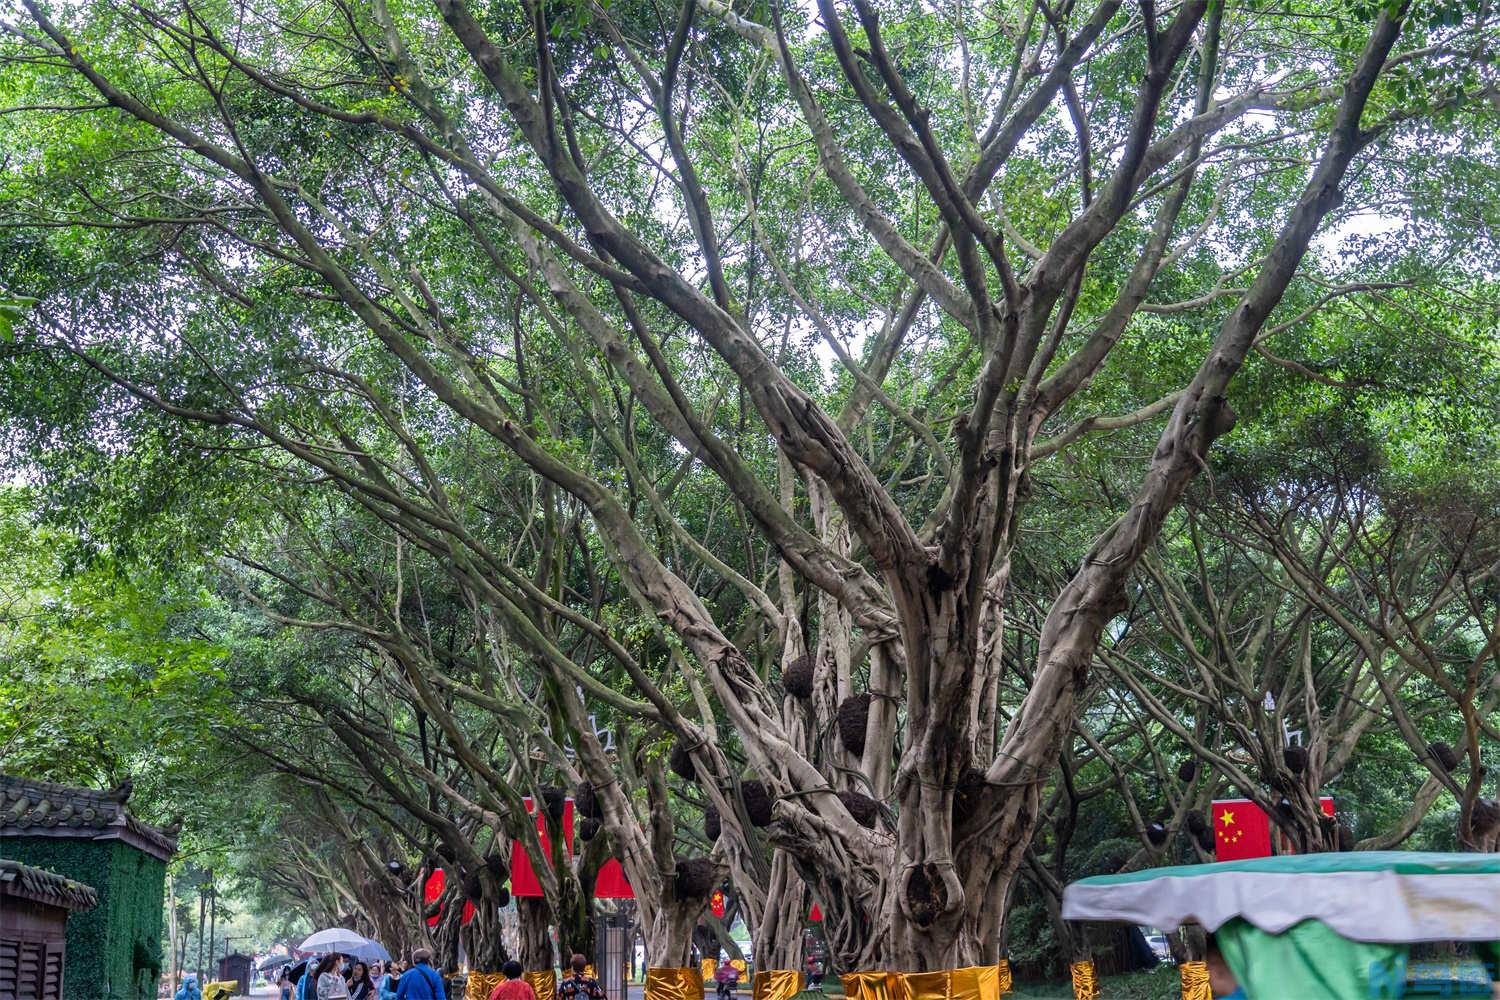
{"points": [[612, 883], [1243, 830], [523, 880]]}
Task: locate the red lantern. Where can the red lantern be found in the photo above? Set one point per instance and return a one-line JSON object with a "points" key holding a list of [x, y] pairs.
{"points": [[431, 890]]}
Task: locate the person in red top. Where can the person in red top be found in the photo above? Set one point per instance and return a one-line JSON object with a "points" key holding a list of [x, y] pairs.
{"points": [[514, 987]]}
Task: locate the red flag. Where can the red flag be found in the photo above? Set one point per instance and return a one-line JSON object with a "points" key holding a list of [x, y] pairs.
{"points": [[431, 890], [1241, 830], [815, 914], [611, 882], [468, 914], [523, 880], [716, 903]]}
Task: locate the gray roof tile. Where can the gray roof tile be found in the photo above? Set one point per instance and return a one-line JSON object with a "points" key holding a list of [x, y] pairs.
{"points": [[41, 808], [38, 885]]}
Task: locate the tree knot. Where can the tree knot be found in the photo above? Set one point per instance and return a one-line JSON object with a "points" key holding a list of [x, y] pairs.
{"points": [[930, 889]]}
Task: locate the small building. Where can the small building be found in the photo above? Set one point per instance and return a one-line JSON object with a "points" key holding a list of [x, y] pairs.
{"points": [[240, 968], [34, 909], [114, 951]]}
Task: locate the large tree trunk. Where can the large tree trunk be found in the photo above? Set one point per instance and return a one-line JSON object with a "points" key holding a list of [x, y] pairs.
{"points": [[778, 939], [535, 934], [484, 943], [445, 936], [575, 923]]}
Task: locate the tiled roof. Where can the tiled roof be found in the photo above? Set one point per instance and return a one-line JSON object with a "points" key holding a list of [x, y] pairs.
{"points": [[44, 809], [26, 882]]}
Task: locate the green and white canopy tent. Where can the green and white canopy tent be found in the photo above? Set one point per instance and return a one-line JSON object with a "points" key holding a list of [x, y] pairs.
{"points": [[1390, 897], [1330, 926]]}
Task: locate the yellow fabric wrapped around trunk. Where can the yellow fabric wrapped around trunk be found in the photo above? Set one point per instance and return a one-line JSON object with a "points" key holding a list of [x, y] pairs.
{"points": [[1195, 981], [1085, 981], [673, 984], [543, 983], [975, 983], [776, 984], [982, 982], [1002, 971], [482, 984], [875, 986]]}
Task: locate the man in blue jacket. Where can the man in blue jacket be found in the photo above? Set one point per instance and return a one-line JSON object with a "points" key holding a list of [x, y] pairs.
{"points": [[421, 981]]}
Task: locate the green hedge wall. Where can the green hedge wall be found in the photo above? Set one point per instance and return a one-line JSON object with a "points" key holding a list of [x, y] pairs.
{"points": [[114, 950]]}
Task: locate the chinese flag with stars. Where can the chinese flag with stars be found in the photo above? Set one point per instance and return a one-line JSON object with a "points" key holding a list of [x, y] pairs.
{"points": [[1241, 830]]}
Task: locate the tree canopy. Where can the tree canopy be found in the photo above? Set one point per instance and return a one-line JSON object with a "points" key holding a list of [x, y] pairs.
{"points": [[795, 428]]}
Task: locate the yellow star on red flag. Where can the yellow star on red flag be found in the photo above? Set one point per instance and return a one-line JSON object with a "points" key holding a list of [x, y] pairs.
{"points": [[1241, 830]]}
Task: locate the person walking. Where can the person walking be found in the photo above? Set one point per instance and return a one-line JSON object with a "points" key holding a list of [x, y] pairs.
{"points": [[361, 986], [307, 985], [814, 973], [189, 988], [284, 983], [514, 987], [389, 979], [727, 977], [331, 985], [421, 981], [579, 986]]}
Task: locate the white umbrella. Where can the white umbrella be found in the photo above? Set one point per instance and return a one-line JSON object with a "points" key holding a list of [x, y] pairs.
{"points": [[371, 951], [335, 939]]}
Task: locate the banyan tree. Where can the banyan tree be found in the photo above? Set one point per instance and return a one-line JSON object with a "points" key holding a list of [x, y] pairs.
{"points": [[843, 276]]}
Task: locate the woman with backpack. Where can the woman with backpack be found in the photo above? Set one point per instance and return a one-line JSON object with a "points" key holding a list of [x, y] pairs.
{"points": [[579, 986]]}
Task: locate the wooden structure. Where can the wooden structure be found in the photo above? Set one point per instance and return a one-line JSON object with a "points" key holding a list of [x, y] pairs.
{"points": [[34, 909], [114, 950], [240, 968]]}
